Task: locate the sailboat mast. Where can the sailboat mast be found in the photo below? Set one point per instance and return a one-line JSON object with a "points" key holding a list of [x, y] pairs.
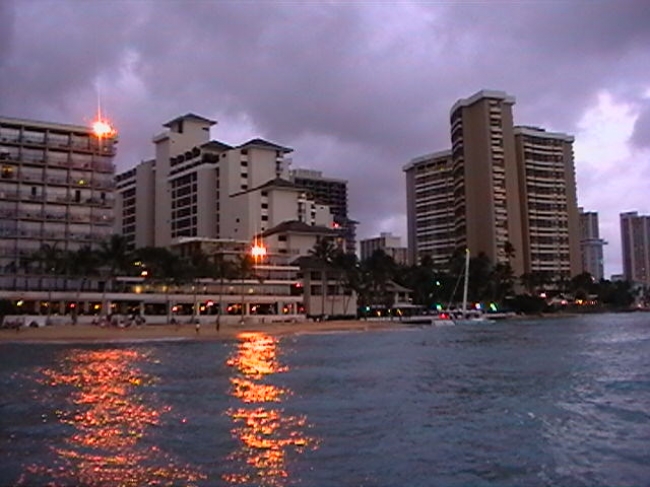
{"points": [[466, 283]]}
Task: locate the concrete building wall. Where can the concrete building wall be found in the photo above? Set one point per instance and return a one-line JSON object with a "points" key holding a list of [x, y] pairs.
{"points": [[486, 185], [591, 245], [549, 203], [635, 239], [430, 208], [56, 188], [391, 245]]}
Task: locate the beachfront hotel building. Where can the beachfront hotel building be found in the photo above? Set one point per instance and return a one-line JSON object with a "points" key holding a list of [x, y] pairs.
{"points": [[503, 190], [205, 190], [548, 201], [388, 243], [332, 192], [635, 246], [591, 245], [197, 187], [430, 208], [56, 190], [487, 215]]}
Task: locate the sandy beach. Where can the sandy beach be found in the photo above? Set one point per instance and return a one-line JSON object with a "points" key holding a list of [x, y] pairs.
{"points": [[90, 333]]}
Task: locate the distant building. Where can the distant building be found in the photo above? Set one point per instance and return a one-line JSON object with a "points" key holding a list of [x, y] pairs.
{"points": [[635, 244], [505, 191], [197, 187], [591, 245], [386, 242], [56, 189], [333, 193], [430, 208]]}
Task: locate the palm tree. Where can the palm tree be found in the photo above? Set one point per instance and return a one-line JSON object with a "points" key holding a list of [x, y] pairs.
{"points": [[164, 266], [223, 269], [115, 256], [346, 267], [82, 264], [49, 258], [381, 269], [244, 268], [199, 265], [324, 251]]}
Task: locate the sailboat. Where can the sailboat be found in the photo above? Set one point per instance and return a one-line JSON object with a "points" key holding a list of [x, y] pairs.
{"points": [[465, 317]]}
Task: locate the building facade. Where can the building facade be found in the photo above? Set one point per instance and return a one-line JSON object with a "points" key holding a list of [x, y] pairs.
{"points": [[386, 242], [332, 193], [56, 190], [430, 208], [591, 245], [487, 216], [635, 245], [550, 224], [197, 187], [505, 191]]}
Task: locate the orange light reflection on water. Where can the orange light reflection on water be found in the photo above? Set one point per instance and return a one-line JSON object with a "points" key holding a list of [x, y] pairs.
{"points": [[266, 434], [109, 418]]}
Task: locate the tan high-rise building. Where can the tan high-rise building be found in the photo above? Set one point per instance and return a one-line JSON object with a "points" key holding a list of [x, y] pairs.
{"points": [[549, 209], [635, 244], [487, 216], [505, 191], [430, 208], [591, 245]]}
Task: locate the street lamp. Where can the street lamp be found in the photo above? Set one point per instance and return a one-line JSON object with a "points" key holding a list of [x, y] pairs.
{"points": [[257, 252]]}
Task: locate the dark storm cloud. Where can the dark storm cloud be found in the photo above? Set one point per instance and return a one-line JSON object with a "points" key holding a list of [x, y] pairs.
{"points": [[641, 134], [357, 88]]}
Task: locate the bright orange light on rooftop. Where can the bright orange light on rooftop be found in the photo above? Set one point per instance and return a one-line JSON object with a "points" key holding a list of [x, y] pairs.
{"points": [[102, 128]]}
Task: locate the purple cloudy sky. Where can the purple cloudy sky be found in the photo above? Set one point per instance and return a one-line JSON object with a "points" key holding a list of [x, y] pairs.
{"points": [[357, 88]]}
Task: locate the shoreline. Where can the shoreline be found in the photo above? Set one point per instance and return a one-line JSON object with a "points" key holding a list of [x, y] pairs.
{"points": [[93, 334]]}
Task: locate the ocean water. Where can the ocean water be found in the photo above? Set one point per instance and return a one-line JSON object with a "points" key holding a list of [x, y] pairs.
{"points": [[536, 403]]}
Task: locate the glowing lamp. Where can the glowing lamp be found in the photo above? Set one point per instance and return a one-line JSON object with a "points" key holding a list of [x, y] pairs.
{"points": [[101, 129], [258, 251]]}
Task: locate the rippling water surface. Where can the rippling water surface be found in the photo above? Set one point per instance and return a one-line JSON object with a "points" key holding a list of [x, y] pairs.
{"points": [[554, 402]]}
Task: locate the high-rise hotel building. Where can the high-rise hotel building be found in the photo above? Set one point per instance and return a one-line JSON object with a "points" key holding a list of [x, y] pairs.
{"points": [[332, 192], [505, 191], [430, 208], [550, 223], [56, 188], [487, 216], [635, 243], [591, 245], [197, 187]]}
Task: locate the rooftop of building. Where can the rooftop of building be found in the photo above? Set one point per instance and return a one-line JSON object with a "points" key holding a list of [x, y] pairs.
{"points": [[482, 95], [296, 226], [416, 161], [314, 175], [23, 122], [540, 132], [216, 145], [264, 144], [189, 116]]}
